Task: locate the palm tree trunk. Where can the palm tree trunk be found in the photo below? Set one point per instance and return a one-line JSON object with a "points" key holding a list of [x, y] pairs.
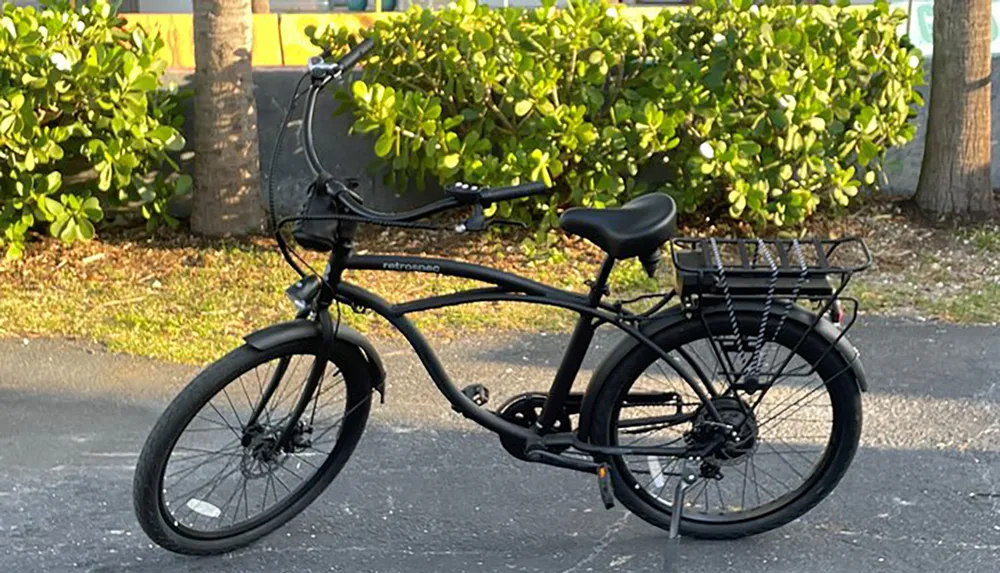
{"points": [[227, 198], [955, 175]]}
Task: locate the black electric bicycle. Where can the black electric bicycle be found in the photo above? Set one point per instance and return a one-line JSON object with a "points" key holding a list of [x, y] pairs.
{"points": [[730, 413]]}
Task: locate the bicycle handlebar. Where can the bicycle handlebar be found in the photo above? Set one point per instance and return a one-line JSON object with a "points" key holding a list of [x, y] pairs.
{"points": [[322, 73], [514, 192], [358, 52]]}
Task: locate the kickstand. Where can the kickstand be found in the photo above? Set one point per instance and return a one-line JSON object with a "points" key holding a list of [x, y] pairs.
{"points": [[670, 557]]}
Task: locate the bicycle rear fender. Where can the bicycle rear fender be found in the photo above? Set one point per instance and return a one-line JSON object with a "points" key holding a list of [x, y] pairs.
{"points": [[672, 316], [299, 329]]}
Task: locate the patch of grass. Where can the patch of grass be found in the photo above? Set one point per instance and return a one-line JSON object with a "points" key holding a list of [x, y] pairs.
{"points": [[984, 238], [191, 301]]}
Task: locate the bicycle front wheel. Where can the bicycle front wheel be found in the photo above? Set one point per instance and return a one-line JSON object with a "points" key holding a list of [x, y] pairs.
{"points": [[799, 429], [208, 481]]}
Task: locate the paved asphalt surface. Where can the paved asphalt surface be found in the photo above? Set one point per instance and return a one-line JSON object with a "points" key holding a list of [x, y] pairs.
{"points": [[425, 492]]}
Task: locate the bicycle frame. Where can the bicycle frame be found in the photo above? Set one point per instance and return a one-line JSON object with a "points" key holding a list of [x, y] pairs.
{"points": [[592, 311]]}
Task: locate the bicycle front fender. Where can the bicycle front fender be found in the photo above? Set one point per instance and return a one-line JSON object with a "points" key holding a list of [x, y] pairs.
{"points": [[675, 315], [302, 329]]}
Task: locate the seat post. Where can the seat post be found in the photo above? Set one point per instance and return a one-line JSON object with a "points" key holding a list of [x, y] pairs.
{"points": [[579, 342], [598, 288]]}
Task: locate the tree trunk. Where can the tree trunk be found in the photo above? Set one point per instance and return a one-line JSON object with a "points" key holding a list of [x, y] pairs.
{"points": [[261, 6], [955, 175], [227, 197]]}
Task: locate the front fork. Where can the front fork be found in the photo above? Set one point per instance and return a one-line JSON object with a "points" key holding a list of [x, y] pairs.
{"points": [[307, 294], [316, 373]]}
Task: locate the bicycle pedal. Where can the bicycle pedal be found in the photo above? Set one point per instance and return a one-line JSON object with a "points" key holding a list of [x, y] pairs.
{"points": [[604, 484], [477, 393]]}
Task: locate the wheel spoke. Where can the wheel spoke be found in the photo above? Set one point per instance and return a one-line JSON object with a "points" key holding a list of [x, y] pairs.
{"points": [[225, 421], [189, 470], [225, 393]]}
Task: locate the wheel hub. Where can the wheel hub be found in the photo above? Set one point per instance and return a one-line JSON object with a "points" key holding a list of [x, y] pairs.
{"points": [[738, 442], [261, 454]]}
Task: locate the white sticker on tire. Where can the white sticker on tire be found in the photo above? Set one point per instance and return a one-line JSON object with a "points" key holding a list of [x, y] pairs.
{"points": [[203, 508]]}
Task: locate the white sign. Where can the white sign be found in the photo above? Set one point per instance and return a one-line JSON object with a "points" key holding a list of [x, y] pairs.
{"points": [[920, 25]]}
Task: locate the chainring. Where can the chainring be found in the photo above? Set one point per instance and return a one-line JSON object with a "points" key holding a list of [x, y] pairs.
{"points": [[524, 410]]}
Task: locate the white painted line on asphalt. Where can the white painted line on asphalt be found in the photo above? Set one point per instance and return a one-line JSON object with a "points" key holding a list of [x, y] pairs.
{"points": [[111, 454], [655, 469]]}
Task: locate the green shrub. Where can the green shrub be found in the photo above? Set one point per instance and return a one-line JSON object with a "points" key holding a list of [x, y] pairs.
{"points": [[762, 113], [83, 125]]}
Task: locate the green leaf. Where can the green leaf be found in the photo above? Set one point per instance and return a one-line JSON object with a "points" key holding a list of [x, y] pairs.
{"points": [[866, 152], [383, 145], [483, 40], [816, 124], [14, 251], [53, 181], [867, 121], [104, 177], [749, 148], [522, 107], [84, 229], [450, 161], [91, 207], [359, 90], [146, 82], [7, 122], [168, 136], [7, 24], [52, 208]]}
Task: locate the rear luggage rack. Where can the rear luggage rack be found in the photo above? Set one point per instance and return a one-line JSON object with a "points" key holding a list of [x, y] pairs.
{"points": [[801, 268], [770, 276]]}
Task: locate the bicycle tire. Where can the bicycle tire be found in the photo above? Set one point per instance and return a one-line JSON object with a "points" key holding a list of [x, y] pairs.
{"points": [[148, 486], [836, 374]]}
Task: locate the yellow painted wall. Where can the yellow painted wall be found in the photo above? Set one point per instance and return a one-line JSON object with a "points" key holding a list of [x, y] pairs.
{"points": [[280, 39]]}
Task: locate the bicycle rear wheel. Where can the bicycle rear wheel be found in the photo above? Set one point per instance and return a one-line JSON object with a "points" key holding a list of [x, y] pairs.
{"points": [[207, 483], [802, 433]]}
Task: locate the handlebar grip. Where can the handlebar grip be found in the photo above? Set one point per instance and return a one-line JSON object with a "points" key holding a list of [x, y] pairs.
{"points": [[514, 192], [358, 52]]}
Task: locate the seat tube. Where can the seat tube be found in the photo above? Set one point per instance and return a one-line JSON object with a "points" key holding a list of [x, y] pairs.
{"points": [[572, 359]]}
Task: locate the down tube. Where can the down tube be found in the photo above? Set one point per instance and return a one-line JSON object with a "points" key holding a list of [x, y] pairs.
{"points": [[430, 361]]}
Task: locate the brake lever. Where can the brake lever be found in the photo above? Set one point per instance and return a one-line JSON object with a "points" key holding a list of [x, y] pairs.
{"points": [[477, 222]]}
